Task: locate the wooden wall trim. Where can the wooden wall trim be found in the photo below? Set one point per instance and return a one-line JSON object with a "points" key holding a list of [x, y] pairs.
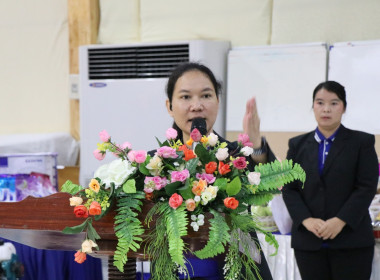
{"points": [[83, 18]]}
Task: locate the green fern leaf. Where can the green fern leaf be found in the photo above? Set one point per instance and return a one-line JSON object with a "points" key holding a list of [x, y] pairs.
{"points": [[127, 228], [176, 227], [276, 174], [218, 237]]}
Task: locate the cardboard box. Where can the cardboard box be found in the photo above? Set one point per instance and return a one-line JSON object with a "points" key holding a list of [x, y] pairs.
{"points": [[27, 174]]}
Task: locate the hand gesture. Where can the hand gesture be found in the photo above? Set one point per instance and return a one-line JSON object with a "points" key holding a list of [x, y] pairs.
{"points": [[331, 228], [251, 123]]}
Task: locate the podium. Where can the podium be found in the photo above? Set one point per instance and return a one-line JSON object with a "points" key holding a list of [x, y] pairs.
{"points": [[38, 223]]}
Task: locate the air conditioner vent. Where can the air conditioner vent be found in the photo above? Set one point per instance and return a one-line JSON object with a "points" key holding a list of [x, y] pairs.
{"points": [[135, 62]]}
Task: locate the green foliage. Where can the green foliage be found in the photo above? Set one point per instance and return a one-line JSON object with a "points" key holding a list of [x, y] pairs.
{"points": [[258, 199], [218, 237], [176, 227], [71, 188], [192, 165], [276, 174], [127, 227], [129, 186], [156, 248], [172, 187], [234, 186], [76, 229], [202, 154]]}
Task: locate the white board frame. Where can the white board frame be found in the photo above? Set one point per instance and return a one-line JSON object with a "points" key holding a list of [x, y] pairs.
{"points": [[356, 65], [282, 78]]}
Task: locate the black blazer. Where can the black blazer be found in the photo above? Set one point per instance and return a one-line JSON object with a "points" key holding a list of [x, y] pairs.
{"points": [[344, 190]]}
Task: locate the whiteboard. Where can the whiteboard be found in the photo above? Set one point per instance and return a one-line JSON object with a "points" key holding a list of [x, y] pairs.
{"points": [[282, 78], [356, 65]]}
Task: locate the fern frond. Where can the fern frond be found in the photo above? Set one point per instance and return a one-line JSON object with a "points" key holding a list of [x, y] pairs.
{"points": [[277, 174], [218, 237], [176, 227], [127, 228], [257, 199]]}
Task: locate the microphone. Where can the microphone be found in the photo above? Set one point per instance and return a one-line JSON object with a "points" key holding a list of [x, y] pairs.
{"points": [[200, 124]]}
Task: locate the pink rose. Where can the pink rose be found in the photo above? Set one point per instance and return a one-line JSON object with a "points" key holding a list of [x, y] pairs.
{"points": [[104, 136], [99, 155], [240, 163], [154, 183], [180, 175], [131, 156], [196, 135], [171, 133], [140, 156], [167, 152], [175, 201], [125, 145], [190, 204], [244, 140], [209, 178]]}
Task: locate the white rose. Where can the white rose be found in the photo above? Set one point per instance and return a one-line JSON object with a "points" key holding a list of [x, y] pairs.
{"points": [[75, 201], [201, 217], [254, 178], [212, 190], [116, 172], [87, 246], [206, 197], [212, 139], [222, 154], [154, 166], [247, 151], [197, 198], [200, 222]]}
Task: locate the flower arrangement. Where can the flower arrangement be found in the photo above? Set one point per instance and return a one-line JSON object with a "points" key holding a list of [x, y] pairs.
{"points": [[187, 186]]}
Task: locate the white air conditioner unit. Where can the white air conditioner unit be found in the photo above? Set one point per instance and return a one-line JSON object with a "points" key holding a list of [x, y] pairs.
{"points": [[122, 90]]}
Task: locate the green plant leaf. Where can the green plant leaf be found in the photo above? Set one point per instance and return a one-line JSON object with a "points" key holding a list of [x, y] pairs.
{"points": [[192, 165], [130, 186], [71, 188], [202, 153], [76, 229], [221, 183], [234, 186], [172, 187], [142, 167], [218, 237]]}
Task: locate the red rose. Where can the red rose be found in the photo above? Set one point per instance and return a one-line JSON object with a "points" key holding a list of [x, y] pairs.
{"points": [[80, 257], [175, 201], [210, 167], [231, 202], [95, 208], [223, 168], [80, 211], [240, 163]]}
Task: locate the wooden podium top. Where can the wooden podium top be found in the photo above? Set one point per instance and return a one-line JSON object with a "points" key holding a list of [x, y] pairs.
{"points": [[38, 222]]}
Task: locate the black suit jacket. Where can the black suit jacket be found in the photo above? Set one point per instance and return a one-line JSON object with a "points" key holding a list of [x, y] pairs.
{"points": [[344, 190]]}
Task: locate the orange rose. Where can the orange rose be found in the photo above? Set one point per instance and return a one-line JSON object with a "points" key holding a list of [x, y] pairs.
{"points": [[231, 202], [189, 154], [81, 211], [182, 148], [223, 168], [94, 185], [95, 208], [189, 142], [190, 204], [210, 167], [80, 257], [199, 187]]}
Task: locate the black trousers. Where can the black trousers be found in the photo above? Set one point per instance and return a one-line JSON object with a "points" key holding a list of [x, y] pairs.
{"points": [[335, 264]]}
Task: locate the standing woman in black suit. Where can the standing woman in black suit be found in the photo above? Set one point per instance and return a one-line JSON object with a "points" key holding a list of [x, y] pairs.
{"points": [[332, 234]]}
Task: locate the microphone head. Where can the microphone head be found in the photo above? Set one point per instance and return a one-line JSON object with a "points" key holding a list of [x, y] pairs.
{"points": [[200, 124]]}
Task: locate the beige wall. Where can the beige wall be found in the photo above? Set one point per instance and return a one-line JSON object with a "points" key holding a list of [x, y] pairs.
{"points": [[34, 49]]}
